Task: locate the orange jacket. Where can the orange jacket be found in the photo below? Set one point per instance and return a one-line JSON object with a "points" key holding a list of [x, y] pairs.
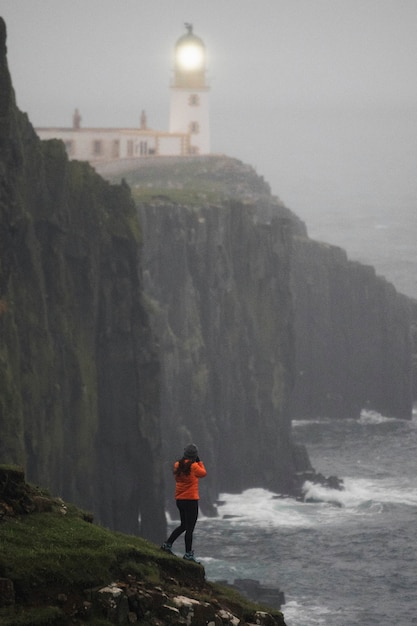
{"points": [[187, 486]]}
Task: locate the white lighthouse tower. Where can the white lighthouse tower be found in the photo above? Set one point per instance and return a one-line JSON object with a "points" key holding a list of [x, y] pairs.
{"points": [[189, 106]]}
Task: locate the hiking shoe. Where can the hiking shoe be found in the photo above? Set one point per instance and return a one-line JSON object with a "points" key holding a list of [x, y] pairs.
{"points": [[189, 556], [166, 547]]}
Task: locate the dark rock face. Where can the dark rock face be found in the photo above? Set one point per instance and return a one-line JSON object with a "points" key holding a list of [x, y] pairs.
{"points": [[79, 390], [235, 286], [353, 346], [253, 589], [219, 286]]}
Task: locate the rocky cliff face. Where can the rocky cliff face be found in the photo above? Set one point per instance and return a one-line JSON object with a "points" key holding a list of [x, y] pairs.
{"points": [[353, 346], [257, 323], [79, 396], [222, 306], [217, 251]]}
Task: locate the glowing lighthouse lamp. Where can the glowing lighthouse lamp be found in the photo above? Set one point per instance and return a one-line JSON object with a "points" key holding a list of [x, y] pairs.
{"points": [[190, 56], [189, 107]]}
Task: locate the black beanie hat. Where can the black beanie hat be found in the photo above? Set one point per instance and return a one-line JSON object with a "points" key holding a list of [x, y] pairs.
{"points": [[190, 451]]}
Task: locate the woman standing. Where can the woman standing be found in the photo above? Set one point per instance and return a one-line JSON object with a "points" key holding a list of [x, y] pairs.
{"points": [[187, 471]]}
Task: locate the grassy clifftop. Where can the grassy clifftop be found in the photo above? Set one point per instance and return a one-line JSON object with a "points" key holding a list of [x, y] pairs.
{"points": [[58, 567], [188, 180]]}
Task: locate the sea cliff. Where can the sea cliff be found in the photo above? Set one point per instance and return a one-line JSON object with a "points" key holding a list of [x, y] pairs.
{"points": [[79, 374], [353, 342], [257, 323]]}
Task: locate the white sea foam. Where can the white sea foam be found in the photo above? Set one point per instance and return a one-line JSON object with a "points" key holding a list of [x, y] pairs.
{"points": [[345, 560], [263, 508], [373, 417], [297, 615], [360, 496], [360, 493], [366, 417], [318, 420]]}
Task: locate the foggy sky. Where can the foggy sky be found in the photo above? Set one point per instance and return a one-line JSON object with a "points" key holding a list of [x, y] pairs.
{"points": [[320, 96]]}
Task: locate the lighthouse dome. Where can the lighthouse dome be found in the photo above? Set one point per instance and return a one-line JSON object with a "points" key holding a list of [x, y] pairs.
{"points": [[189, 37], [190, 59]]}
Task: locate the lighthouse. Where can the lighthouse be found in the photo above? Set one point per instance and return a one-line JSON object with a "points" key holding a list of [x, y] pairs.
{"points": [[189, 93], [188, 134]]}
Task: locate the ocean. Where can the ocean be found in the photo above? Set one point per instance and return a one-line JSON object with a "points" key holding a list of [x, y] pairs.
{"points": [[349, 560]]}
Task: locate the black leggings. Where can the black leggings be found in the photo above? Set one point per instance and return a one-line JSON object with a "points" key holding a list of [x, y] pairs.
{"points": [[188, 515]]}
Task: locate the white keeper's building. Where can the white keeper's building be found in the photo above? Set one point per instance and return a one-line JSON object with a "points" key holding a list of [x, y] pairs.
{"points": [[189, 131]]}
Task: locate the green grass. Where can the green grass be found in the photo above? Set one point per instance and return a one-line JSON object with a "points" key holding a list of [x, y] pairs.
{"points": [[53, 549], [58, 553], [190, 182], [52, 553], [188, 196]]}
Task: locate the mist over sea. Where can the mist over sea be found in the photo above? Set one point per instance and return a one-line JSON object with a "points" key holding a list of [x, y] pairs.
{"points": [[349, 560]]}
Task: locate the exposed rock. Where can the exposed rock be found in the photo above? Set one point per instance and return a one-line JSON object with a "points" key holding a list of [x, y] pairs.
{"points": [[172, 615], [18, 498], [263, 594], [263, 619], [228, 618], [176, 610], [195, 612], [114, 603]]}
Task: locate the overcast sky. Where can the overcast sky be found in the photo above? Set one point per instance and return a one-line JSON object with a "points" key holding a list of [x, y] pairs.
{"points": [[319, 95]]}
